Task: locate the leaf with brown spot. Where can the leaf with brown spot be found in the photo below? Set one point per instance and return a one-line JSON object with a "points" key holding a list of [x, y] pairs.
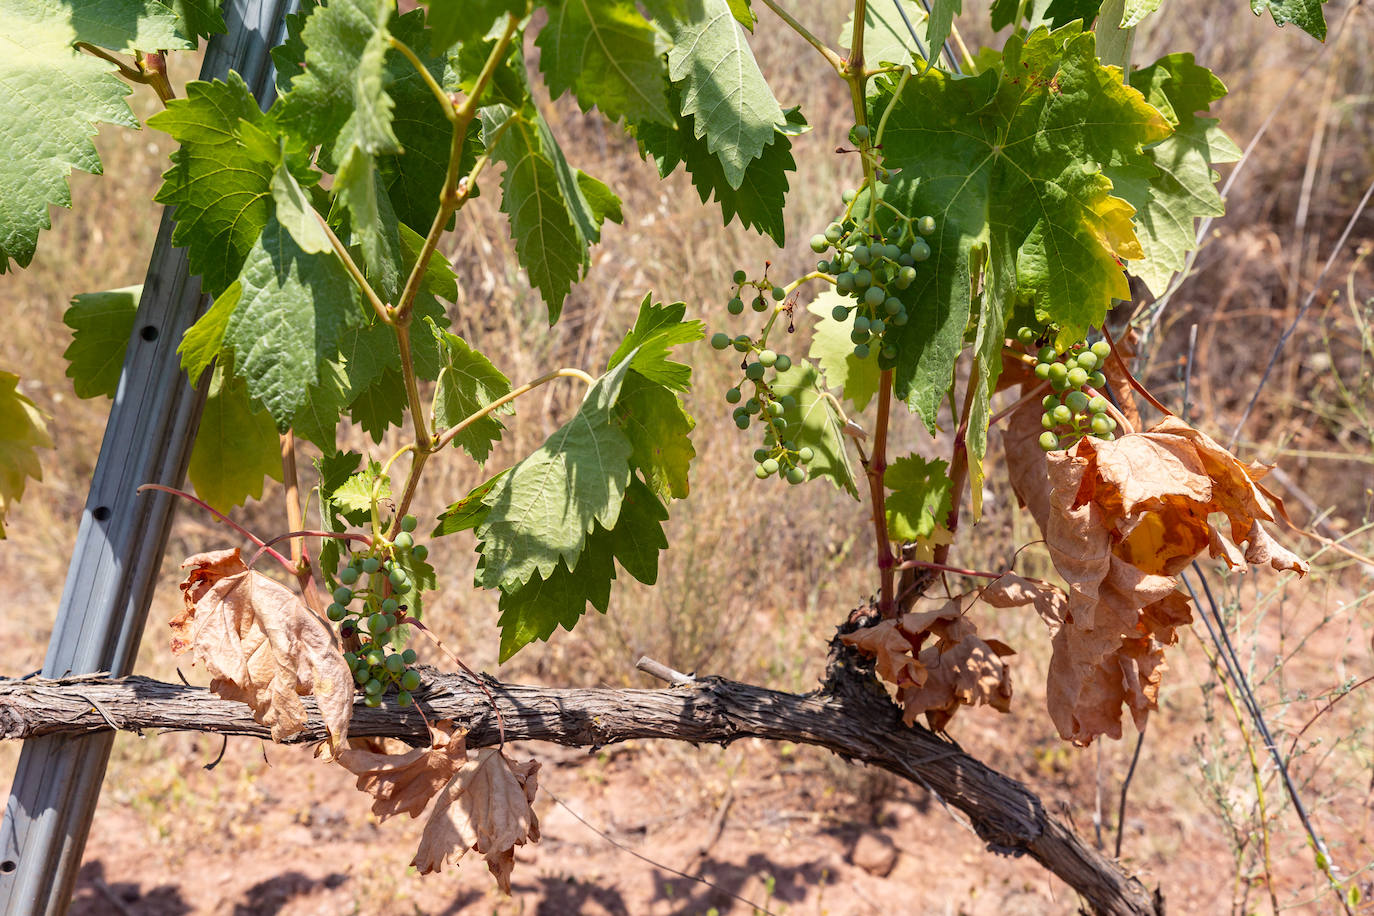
{"points": [[262, 645], [404, 783], [486, 806]]}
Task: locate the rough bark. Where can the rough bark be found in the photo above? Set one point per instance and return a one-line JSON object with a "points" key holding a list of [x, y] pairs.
{"points": [[850, 716]]}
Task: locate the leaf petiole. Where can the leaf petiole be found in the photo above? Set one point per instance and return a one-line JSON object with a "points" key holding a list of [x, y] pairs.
{"points": [[451, 433]]}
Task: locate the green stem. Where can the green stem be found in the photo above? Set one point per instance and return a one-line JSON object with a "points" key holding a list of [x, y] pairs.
{"points": [[830, 56], [445, 102], [355, 272], [452, 433]]}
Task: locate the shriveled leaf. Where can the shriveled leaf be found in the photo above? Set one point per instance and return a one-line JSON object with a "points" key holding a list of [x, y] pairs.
{"points": [[486, 807], [404, 783], [22, 433], [262, 645], [1011, 590], [892, 649], [968, 673], [101, 324]]}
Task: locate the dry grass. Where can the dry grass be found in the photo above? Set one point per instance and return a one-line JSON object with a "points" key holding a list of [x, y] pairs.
{"points": [[757, 576]]}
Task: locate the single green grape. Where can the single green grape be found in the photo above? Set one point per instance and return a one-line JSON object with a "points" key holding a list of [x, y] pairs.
{"points": [[1049, 402], [833, 233], [742, 421], [774, 409], [770, 465], [361, 675], [761, 472], [876, 327], [343, 594], [1049, 441], [376, 624], [875, 296], [784, 362], [844, 282], [754, 371], [1062, 414], [733, 396], [1047, 420], [1087, 360], [1097, 404], [720, 340], [1042, 370], [1097, 380], [348, 575], [735, 306], [1058, 372], [863, 278], [787, 401], [849, 195], [862, 255], [795, 475], [743, 343], [1103, 424], [371, 565], [410, 680], [405, 540], [409, 523], [1047, 354], [840, 313], [373, 701], [1077, 377], [373, 686], [740, 277], [1077, 401], [395, 664], [390, 606], [861, 133], [1026, 335], [925, 225], [859, 336], [760, 454], [779, 294], [760, 304], [403, 698], [767, 358], [753, 406], [399, 580], [336, 612], [1102, 350], [861, 351], [819, 243], [420, 552], [805, 454], [408, 656], [892, 305]]}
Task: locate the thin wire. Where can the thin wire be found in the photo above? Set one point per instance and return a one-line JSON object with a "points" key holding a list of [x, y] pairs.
{"points": [[1222, 641], [659, 865], [1307, 304]]}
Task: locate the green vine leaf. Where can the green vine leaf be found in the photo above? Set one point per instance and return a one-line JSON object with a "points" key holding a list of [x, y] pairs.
{"points": [[607, 55], [919, 501], [1305, 14], [543, 510], [886, 37], [468, 512], [815, 421], [541, 605], [220, 179], [355, 497], [942, 13], [659, 429], [721, 86], [551, 220], [236, 447], [657, 329], [1181, 187], [467, 383], [101, 324], [202, 18], [291, 310], [452, 21], [833, 351], [1061, 12], [22, 433]]}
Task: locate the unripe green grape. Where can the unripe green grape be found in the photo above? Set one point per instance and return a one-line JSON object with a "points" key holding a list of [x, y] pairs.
{"points": [[788, 445], [1049, 441], [876, 326], [1087, 360], [371, 564], [1077, 377], [403, 698], [1077, 401], [373, 686], [861, 133], [742, 343], [735, 306], [779, 294], [760, 304], [875, 296], [1047, 420], [343, 594], [361, 675], [861, 351], [863, 278], [742, 421], [760, 472], [844, 282], [760, 454], [899, 319], [405, 540], [1097, 380], [1058, 372], [892, 252], [1042, 371], [767, 358], [1026, 335], [861, 255], [920, 250], [733, 396], [784, 362], [1097, 404], [409, 656], [849, 195], [925, 225], [351, 659], [390, 621], [819, 243], [720, 340], [336, 612], [861, 322], [376, 624], [753, 406], [395, 664], [1106, 437], [1102, 350], [833, 233], [1102, 424], [770, 465], [373, 700], [410, 680], [1049, 402], [399, 580], [906, 275], [1047, 354], [390, 606], [1062, 414], [805, 454], [859, 336], [795, 475], [754, 371], [409, 523], [892, 305], [905, 259], [787, 401], [348, 575], [774, 409], [1059, 384], [740, 277], [823, 266], [840, 313]]}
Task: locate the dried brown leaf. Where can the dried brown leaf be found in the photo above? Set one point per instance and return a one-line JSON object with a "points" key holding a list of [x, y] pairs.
{"points": [[1011, 590], [262, 645], [404, 783], [486, 806], [886, 642], [1026, 461], [1127, 348], [968, 673]]}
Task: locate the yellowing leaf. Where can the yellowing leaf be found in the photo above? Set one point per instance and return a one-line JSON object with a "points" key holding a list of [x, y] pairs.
{"points": [[22, 433], [262, 645], [404, 783], [487, 807]]}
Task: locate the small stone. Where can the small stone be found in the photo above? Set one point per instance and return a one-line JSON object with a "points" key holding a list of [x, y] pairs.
{"points": [[875, 853]]}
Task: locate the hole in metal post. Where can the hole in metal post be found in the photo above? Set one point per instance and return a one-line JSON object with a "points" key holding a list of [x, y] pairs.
{"points": [[8, 866], [99, 514], [149, 332]]}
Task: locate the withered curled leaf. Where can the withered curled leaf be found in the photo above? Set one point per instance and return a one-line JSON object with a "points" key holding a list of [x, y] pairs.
{"points": [[404, 783], [262, 645]]}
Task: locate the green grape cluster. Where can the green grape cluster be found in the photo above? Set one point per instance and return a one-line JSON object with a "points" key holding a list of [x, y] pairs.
{"points": [[782, 457], [870, 270], [762, 291], [1077, 408], [372, 613]]}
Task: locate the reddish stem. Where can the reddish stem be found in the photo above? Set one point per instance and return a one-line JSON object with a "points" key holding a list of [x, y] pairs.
{"points": [[224, 518], [922, 564], [958, 468], [1131, 378], [308, 533], [876, 467]]}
